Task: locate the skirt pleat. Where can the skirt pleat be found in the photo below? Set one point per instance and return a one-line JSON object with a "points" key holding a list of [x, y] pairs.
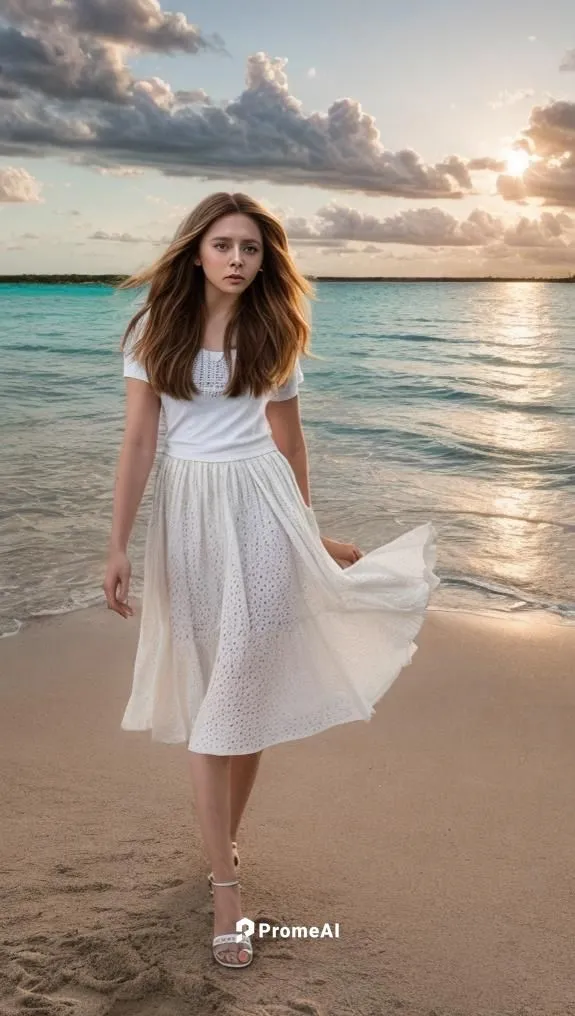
{"points": [[251, 634]]}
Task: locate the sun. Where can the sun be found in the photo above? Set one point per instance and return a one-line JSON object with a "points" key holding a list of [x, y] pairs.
{"points": [[518, 161]]}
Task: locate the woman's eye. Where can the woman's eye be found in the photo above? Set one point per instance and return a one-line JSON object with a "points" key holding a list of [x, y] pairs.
{"points": [[221, 245]]}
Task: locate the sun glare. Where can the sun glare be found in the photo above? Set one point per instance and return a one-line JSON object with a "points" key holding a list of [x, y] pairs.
{"points": [[517, 161]]}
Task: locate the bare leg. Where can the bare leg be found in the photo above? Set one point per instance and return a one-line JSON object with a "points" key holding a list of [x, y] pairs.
{"points": [[211, 785], [243, 771]]}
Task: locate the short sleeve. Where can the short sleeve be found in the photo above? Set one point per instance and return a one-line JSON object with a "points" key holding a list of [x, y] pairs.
{"points": [[290, 387], [131, 366]]}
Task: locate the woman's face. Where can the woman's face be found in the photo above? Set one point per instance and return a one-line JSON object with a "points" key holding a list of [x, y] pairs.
{"points": [[231, 253]]}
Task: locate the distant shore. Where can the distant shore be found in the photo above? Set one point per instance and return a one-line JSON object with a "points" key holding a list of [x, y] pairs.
{"points": [[114, 280]]}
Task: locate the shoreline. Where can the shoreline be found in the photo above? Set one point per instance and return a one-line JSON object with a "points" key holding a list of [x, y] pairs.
{"points": [[112, 279], [526, 617]]}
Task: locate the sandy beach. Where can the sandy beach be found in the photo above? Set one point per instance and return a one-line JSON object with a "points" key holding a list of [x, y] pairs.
{"points": [[440, 836]]}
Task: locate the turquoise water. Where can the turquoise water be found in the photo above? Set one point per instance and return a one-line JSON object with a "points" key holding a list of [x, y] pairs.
{"points": [[451, 402]]}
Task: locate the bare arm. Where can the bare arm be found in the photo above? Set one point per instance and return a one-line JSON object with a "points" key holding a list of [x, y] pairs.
{"points": [[135, 460], [285, 422]]}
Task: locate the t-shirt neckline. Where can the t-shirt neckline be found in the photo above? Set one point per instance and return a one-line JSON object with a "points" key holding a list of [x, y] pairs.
{"points": [[215, 352]]}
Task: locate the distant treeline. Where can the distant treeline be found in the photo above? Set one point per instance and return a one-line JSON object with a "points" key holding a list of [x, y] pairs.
{"points": [[59, 280], [438, 278], [114, 280]]}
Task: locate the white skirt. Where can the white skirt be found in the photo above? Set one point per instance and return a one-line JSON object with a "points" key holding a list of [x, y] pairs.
{"points": [[250, 633]]}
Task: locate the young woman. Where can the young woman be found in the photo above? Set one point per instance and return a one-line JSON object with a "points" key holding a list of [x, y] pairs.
{"points": [[255, 628]]}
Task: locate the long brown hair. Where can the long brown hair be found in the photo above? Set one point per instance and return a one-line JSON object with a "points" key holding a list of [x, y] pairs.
{"points": [[269, 320]]}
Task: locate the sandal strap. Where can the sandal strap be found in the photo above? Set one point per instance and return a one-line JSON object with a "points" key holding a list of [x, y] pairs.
{"points": [[224, 939]]}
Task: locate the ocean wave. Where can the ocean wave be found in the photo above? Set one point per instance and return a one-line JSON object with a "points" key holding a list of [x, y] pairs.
{"points": [[63, 350], [505, 361], [520, 599], [452, 450]]}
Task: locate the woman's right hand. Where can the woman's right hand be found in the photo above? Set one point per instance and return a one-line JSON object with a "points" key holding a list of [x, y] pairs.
{"points": [[117, 583]]}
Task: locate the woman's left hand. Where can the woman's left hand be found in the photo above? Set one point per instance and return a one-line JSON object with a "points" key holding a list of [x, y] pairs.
{"points": [[344, 553]]}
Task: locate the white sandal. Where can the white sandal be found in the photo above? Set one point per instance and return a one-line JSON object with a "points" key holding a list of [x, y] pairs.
{"points": [[242, 941], [236, 865]]}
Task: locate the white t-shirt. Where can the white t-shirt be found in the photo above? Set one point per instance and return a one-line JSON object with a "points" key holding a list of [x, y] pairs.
{"points": [[212, 426]]}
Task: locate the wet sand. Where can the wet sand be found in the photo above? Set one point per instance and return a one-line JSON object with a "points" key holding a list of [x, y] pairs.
{"points": [[440, 836]]}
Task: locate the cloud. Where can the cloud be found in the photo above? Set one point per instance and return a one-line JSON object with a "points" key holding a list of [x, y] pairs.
{"points": [[456, 168], [486, 162], [520, 256], [120, 171], [186, 98], [552, 128], [101, 234], [568, 61], [561, 255], [506, 98], [312, 240], [18, 245], [312, 73], [62, 66], [420, 226], [550, 140], [548, 230], [74, 51], [512, 188], [432, 227], [18, 185], [139, 23]]}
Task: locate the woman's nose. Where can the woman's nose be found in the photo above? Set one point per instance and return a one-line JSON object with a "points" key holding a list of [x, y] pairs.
{"points": [[236, 257]]}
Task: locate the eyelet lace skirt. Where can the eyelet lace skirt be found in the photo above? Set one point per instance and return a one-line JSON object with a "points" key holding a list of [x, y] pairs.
{"points": [[250, 633]]}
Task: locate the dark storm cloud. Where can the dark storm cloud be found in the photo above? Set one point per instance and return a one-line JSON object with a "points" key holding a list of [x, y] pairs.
{"points": [[140, 23], [62, 66], [264, 134], [73, 52], [75, 49]]}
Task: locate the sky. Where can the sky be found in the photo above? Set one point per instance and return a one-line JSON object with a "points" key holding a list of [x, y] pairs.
{"points": [[392, 139]]}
